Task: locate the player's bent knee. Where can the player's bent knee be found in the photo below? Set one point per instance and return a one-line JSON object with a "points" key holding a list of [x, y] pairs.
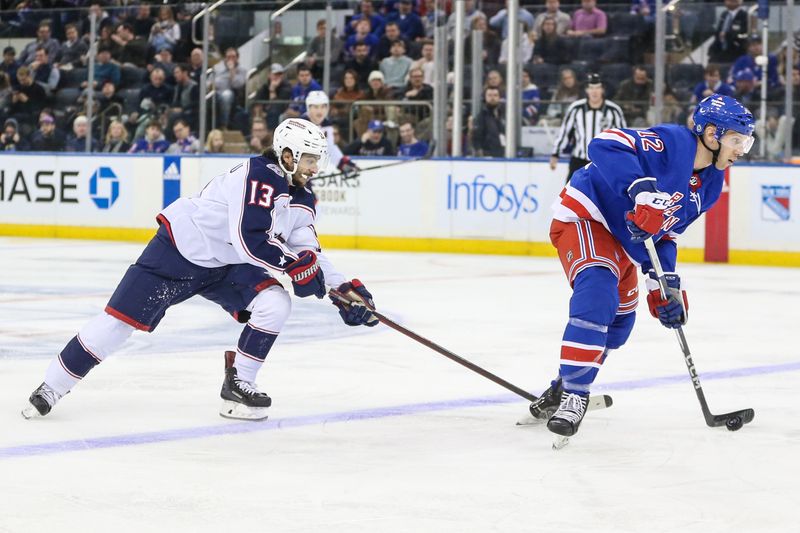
{"points": [[620, 330], [595, 296], [104, 334], [270, 308]]}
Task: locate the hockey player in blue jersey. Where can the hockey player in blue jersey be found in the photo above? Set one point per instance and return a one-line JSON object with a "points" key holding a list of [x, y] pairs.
{"points": [[224, 244], [641, 184]]}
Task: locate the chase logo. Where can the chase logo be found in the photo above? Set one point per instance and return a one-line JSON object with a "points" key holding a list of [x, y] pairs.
{"points": [[104, 187]]}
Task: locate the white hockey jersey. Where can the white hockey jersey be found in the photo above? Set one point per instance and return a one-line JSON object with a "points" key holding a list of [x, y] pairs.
{"points": [[252, 215]]}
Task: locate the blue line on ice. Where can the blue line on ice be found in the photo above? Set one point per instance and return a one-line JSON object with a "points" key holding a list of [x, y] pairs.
{"points": [[171, 435]]}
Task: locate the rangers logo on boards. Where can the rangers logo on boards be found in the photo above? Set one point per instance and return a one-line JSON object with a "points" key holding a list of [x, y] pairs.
{"points": [[776, 202]]}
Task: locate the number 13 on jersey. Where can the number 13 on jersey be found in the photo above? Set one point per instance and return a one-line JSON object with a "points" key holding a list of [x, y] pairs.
{"points": [[260, 194]]}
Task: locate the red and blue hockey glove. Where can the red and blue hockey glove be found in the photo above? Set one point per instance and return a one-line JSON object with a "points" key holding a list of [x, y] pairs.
{"points": [[348, 168], [357, 312], [307, 277], [672, 312], [648, 216]]}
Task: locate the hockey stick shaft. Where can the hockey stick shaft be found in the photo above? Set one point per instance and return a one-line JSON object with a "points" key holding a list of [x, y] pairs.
{"points": [[441, 350], [711, 419], [378, 167]]}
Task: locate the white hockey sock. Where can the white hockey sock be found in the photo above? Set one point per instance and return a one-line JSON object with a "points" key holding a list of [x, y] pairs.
{"points": [[246, 367], [58, 378]]}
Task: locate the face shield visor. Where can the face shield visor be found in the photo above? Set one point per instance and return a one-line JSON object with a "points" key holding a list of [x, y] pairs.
{"points": [[739, 142]]}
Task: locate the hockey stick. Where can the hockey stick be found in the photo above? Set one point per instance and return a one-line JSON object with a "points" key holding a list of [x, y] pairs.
{"points": [[732, 421], [425, 157], [595, 402]]}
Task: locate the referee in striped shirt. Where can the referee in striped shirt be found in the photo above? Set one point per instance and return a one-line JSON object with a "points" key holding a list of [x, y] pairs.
{"points": [[584, 119]]}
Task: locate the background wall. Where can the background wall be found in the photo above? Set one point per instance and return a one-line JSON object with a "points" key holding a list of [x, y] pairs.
{"points": [[477, 206]]}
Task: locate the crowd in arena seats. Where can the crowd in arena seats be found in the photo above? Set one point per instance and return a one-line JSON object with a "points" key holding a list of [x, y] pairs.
{"points": [[147, 73]]}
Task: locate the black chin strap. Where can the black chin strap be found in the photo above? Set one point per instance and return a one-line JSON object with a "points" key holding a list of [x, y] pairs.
{"points": [[714, 153]]}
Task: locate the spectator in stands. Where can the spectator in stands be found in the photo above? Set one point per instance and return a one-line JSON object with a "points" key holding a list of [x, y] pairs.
{"points": [[372, 143], [109, 98], [196, 63], [432, 14], [588, 21], [745, 84], [186, 98], [411, 27], [363, 34], [469, 15], [76, 141], [490, 46], [531, 98], [730, 37], [755, 48], [416, 89], [409, 145], [362, 63], [489, 127], [550, 47], [155, 93], [230, 79], [104, 39], [43, 38], [346, 94], [366, 11], [10, 140], [153, 142], [10, 65], [315, 51], [711, 84], [426, 63], [260, 138], [277, 88], [165, 32], [495, 79], [104, 69], [143, 23], [163, 60], [305, 84], [563, 22], [6, 90], [48, 138], [215, 142], [377, 89], [500, 20], [567, 92], [524, 47], [133, 49], [73, 51], [185, 142], [384, 46], [395, 67], [116, 139], [774, 134], [43, 72], [633, 95], [102, 18], [27, 100]]}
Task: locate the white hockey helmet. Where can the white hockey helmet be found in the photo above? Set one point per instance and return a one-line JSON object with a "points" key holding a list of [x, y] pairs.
{"points": [[301, 137], [317, 98]]}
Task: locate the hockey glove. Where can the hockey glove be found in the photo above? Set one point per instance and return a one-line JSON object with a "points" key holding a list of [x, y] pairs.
{"points": [[348, 168], [307, 277], [357, 312], [648, 216], [672, 312]]}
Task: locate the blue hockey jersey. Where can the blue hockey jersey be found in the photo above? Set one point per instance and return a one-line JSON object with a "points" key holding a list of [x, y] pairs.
{"points": [[666, 153]]}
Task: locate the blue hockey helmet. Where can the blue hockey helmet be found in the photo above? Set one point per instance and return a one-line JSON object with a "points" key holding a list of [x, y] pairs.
{"points": [[724, 112]]}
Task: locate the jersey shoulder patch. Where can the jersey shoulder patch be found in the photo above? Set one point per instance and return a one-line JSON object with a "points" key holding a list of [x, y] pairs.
{"points": [[276, 169]]}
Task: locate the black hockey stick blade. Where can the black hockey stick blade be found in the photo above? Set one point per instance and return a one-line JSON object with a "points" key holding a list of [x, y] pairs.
{"points": [[745, 415]]}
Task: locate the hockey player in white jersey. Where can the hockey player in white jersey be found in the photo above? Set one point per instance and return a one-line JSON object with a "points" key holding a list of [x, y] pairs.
{"points": [[224, 244], [317, 109]]}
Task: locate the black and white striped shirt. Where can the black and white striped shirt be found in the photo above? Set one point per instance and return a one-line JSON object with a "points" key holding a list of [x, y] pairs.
{"points": [[581, 123]]}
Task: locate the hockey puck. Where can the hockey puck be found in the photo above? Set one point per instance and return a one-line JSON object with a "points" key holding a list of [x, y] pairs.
{"points": [[734, 423]]}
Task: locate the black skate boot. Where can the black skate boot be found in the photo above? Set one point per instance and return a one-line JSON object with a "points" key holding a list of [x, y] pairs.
{"points": [[41, 402], [543, 408], [241, 399], [567, 418]]}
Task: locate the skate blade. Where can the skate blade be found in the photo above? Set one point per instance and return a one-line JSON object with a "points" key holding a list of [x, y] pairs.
{"points": [[30, 412], [239, 411], [559, 442]]}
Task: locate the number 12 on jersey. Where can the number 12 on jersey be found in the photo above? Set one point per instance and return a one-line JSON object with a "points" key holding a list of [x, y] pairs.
{"points": [[260, 194]]}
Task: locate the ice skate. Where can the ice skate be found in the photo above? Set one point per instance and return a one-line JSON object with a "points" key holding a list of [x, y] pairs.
{"points": [[41, 402], [567, 419], [543, 408], [241, 399]]}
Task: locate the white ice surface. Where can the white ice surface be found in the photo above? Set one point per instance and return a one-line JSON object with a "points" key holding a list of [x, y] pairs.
{"points": [[332, 457]]}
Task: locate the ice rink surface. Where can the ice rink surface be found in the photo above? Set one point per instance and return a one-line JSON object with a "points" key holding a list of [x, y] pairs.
{"points": [[371, 432]]}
